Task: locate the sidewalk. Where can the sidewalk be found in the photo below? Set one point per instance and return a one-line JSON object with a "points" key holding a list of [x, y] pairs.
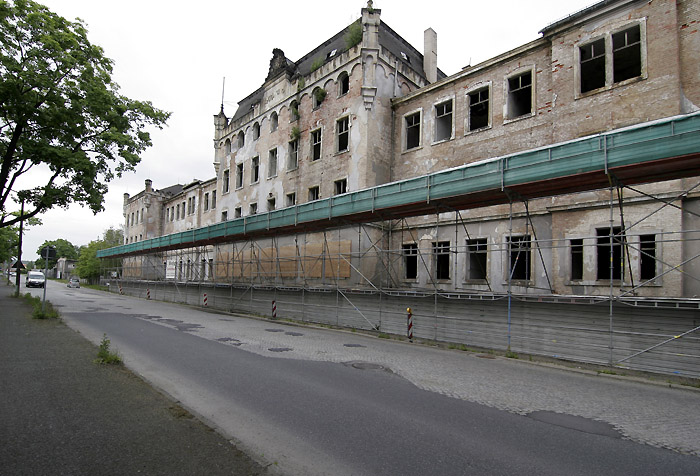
{"points": [[63, 414]]}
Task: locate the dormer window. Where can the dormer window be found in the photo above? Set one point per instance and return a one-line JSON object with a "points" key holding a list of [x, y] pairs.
{"points": [[331, 54], [405, 57]]}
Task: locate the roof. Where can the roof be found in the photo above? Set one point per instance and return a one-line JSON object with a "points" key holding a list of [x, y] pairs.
{"points": [[559, 24], [172, 190]]}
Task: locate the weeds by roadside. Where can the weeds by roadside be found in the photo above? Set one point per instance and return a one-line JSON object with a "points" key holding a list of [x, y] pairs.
{"points": [[106, 356], [49, 311]]}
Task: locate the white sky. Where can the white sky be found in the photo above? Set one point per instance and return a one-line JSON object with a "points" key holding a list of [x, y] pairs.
{"points": [[175, 54]]}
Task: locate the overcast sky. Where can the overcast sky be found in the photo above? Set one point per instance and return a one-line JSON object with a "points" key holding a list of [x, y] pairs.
{"points": [[176, 54]]}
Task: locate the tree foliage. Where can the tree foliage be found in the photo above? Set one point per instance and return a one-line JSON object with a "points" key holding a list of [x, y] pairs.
{"points": [[61, 114], [89, 265], [64, 249]]}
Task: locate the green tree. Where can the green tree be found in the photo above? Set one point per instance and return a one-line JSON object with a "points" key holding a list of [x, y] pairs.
{"points": [[89, 265], [64, 249], [61, 114]]}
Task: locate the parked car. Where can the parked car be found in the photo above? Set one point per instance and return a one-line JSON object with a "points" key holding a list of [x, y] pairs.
{"points": [[35, 279], [74, 282]]}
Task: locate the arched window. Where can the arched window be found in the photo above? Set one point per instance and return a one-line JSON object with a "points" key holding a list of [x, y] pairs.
{"points": [[256, 131], [319, 94], [343, 84], [273, 122], [293, 111], [241, 139], [227, 146]]}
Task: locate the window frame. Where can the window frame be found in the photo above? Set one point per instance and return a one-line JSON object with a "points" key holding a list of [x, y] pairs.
{"points": [[477, 242], [437, 119], [316, 145], [508, 102], [409, 253], [274, 121], [478, 87], [314, 193], [255, 170], [442, 254], [340, 184], [292, 153], [339, 133], [225, 182], [341, 81], [529, 262], [405, 129], [291, 199], [240, 175], [272, 171]]}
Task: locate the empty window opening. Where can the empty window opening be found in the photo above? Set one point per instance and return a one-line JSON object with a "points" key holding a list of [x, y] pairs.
{"points": [[441, 259], [331, 53], [225, 182], [271, 204], [343, 84], [476, 258], [592, 65], [410, 260], [314, 193], [293, 111], [255, 170], [213, 199], [227, 146], [413, 130], [274, 122], [224, 216], [272, 163], [291, 199], [316, 144], [340, 186], [343, 129], [241, 139], [520, 251], [443, 121], [627, 54], [479, 109], [647, 257], [256, 131], [239, 175], [253, 208], [206, 202], [237, 212], [293, 157], [606, 261], [576, 259], [520, 95]]}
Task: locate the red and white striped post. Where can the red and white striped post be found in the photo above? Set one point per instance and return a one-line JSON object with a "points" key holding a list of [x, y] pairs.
{"points": [[274, 309], [409, 324], [121, 291], [148, 293], [205, 299]]}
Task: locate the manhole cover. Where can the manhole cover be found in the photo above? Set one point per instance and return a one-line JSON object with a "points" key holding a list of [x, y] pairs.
{"points": [[274, 330], [279, 349], [367, 366], [353, 345]]}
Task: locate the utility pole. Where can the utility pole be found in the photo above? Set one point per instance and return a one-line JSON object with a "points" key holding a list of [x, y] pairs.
{"points": [[19, 249]]}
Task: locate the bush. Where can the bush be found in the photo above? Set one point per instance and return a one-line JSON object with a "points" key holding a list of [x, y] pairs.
{"points": [[104, 355], [353, 35]]}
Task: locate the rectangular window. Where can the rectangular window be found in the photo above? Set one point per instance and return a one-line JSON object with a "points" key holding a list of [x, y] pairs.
{"points": [[213, 199], [224, 216], [314, 193], [253, 208], [592, 65], [479, 117], [206, 202], [271, 204], [520, 258], [410, 260], [225, 182], [413, 130], [476, 258], [340, 186], [343, 132], [255, 170], [576, 259], [520, 95], [239, 175], [443, 121], [647, 257], [183, 210], [178, 211], [316, 144], [293, 158], [291, 199], [441, 259], [237, 212], [606, 261], [272, 163], [627, 54]]}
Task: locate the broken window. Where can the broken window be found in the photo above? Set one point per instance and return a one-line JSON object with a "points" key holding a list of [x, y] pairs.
{"points": [[520, 95], [213, 199], [410, 260], [610, 263], [520, 251], [256, 131], [271, 204], [206, 202], [343, 84], [227, 146], [255, 170], [293, 157], [443, 121], [413, 130], [239, 175], [241, 139], [647, 257], [224, 215], [224, 184], [592, 65], [291, 199], [441, 259], [476, 258], [314, 193], [340, 186], [576, 259], [253, 208], [274, 121], [293, 111], [343, 130], [316, 144], [237, 212], [272, 163], [627, 54], [479, 109]]}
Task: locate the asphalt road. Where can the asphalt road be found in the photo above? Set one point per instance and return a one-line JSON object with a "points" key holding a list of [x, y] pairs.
{"points": [[312, 416]]}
